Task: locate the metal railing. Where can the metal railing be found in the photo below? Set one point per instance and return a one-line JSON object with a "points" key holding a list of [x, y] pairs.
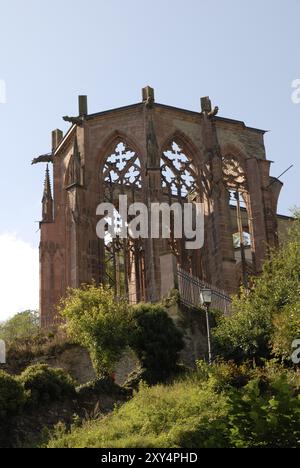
{"points": [[190, 288]]}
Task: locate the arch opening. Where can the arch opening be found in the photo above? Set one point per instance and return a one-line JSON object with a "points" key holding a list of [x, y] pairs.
{"points": [[179, 180], [122, 258]]}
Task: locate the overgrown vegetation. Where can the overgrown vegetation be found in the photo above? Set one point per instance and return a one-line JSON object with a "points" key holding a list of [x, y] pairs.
{"points": [[106, 327], [95, 320], [38, 384], [221, 406], [266, 320], [33, 404]]}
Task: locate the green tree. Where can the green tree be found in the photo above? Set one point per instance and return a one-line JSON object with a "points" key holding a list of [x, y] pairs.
{"points": [[250, 330], [99, 322], [156, 340], [21, 326]]}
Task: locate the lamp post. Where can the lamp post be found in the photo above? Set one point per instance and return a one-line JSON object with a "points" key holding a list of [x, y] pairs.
{"points": [[206, 299]]}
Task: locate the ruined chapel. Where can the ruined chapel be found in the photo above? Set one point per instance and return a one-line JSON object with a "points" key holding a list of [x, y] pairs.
{"points": [[155, 153]]}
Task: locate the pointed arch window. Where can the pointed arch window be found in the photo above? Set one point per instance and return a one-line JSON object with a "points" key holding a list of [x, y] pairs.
{"points": [[123, 259], [179, 180]]}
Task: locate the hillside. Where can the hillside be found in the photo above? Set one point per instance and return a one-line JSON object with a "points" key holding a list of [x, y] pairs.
{"points": [[225, 406]]}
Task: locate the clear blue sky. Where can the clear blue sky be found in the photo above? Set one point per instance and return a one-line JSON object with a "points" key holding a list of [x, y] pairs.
{"points": [[244, 54]]}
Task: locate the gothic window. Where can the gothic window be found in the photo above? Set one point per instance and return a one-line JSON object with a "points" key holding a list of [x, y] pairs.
{"points": [[179, 182], [177, 172], [123, 258]]}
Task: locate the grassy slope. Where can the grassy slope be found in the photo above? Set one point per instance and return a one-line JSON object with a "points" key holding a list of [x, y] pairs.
{"points": [[219, 406], [161, 416]]}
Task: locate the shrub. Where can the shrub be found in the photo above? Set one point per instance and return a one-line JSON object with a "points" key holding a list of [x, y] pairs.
{"points": [[99, 322], [12, 395], [45, 384], [156, 340]]}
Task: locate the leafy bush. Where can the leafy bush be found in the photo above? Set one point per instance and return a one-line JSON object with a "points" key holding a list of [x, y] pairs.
{"points": [[45, 384], [12, 395], [156, 340], [100, 323], [218, 406]]}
